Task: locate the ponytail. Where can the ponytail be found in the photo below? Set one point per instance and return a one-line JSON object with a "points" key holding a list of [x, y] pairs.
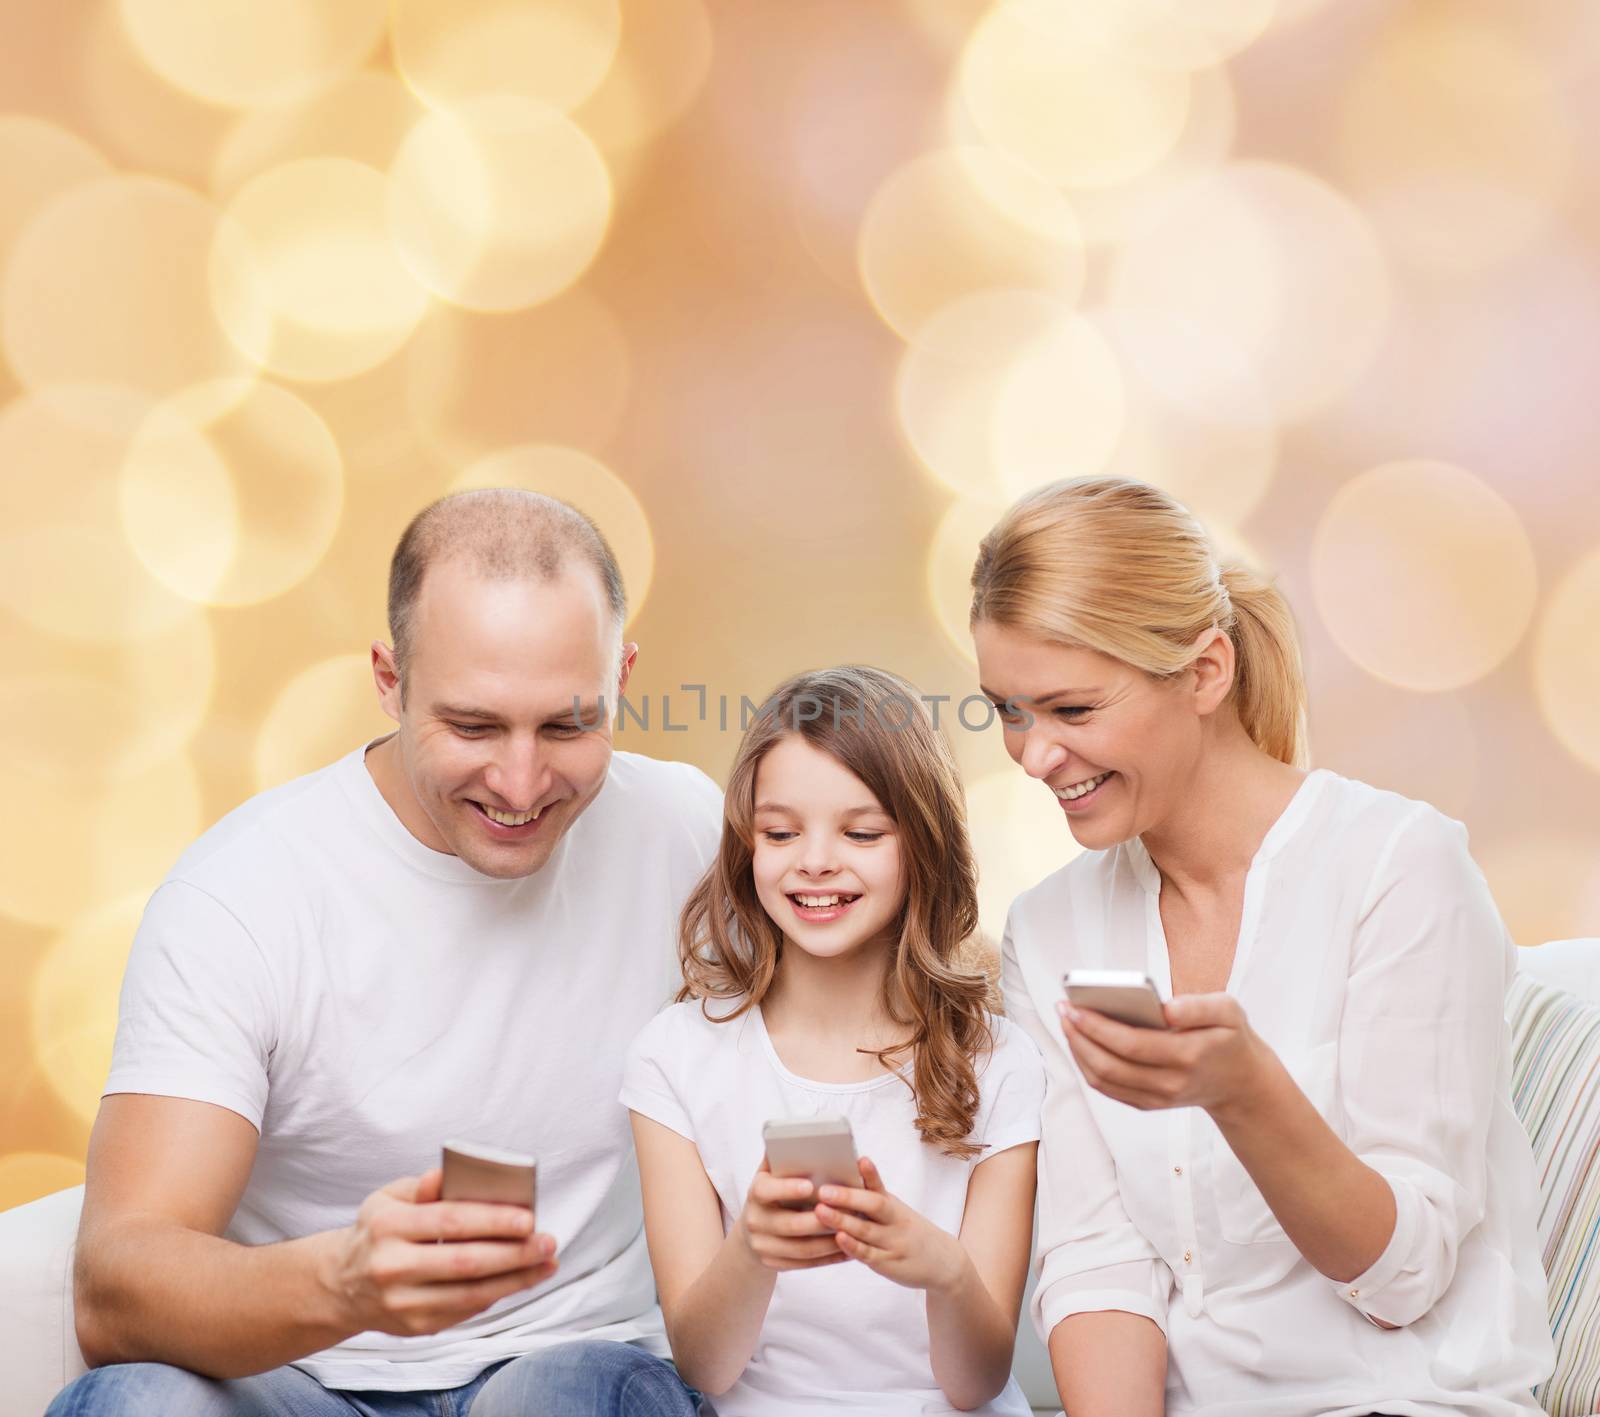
{"points": [[1269, 686]]}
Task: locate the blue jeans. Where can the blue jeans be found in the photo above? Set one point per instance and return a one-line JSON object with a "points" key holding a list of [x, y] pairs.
{"points": [[585, 1378]]}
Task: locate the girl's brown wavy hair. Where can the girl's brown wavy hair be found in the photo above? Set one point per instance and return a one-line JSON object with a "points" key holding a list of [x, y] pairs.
{"points": [[873, 723]]}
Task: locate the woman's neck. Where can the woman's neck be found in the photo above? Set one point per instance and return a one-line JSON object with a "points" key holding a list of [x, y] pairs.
{"points": [[1223, 813]]}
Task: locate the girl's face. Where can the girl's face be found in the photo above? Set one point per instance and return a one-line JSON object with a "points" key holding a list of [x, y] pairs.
{"points": [[827, 856], [1116, 746]]}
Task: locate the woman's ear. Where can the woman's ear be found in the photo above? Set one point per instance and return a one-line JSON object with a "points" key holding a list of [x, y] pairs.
{"points": [[1213, 666]]}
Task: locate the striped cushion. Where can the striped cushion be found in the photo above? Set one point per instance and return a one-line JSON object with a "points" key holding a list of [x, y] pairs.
{"points": [[1556, 1087]]}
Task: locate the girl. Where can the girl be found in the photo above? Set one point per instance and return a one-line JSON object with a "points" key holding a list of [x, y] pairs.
{"points": [[823, 969], [1309, 1194]]}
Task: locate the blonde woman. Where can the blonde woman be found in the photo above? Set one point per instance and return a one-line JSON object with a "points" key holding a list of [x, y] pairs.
{"points": [[1309, 1193]]}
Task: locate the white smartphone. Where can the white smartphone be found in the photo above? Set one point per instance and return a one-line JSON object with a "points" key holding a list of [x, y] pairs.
{"points": [[1126, 995], [473, 1172], [821, 1149]]}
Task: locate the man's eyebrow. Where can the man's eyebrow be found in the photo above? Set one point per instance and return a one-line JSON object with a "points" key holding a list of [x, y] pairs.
{"points": [[864, 810], [465, 711], [1046, 698]]}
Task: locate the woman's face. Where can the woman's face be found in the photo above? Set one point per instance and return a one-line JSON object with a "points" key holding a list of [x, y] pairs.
{"points": [[827, 856], [1116, 746]]}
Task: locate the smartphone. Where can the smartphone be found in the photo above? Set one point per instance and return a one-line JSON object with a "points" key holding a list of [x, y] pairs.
{"points": [[473, 1172], [821, 1149], [1123, 994]]}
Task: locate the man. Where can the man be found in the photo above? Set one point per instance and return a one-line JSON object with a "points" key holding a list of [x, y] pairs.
{"points": [[452, 932]]}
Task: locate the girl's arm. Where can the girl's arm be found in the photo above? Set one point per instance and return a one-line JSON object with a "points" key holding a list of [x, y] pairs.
{"points": [[715, 1289], [973, 1283]]}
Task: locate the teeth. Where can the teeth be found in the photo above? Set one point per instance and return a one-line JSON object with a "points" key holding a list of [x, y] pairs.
{"points": [[818, 902], [1079, 789], [508, 819]]}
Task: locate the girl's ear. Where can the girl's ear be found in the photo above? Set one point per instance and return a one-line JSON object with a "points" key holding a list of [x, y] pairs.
{"points": [[1214, 665]]}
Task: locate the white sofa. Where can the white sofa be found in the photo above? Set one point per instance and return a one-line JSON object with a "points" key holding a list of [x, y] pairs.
{"points": [[39, 1350]]}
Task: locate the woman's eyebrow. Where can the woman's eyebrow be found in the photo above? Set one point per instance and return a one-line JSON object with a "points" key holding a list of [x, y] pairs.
{"points": [[1045, 698]]}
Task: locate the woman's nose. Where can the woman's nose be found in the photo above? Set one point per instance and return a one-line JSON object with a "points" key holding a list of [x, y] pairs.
{"points": [[1040, 756]]}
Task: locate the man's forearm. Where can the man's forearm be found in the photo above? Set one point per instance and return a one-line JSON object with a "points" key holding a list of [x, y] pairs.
{"points": [[154, 1291]]}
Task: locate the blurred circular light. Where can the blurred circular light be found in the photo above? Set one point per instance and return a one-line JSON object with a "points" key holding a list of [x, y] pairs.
{"points": [[38, 161], [126, 834], [108, 284], [241, 53], [660, 68], [232, 507], [75, 993], [1005, 389], [88, 711], [553, 51], [1179, 34], [951, 557], [364, 117], [1044, 88], [590, 486], [960, 220], [1198, 423], [304, 276], [29, 1175], [1454, 140], [1423, 575], [1019, 835], [1274, 262], [1567, 661], [499, 204], [322, 713], [67, 570], [1546, 884], [554, 372]]}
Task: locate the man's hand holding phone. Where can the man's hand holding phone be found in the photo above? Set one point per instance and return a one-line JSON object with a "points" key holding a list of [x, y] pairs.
{"points": [[387, 1272]]}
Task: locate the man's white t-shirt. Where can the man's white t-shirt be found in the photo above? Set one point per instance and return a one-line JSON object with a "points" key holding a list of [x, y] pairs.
{"points": [[359, 998], [841, 1337]]}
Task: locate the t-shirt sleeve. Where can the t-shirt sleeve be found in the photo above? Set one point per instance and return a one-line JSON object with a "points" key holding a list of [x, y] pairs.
{"points": [[651, 1070], [197, 1018], [702, 813], [1012, 1089]]}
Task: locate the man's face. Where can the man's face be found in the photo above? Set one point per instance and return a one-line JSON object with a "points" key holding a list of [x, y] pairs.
{"points": [[503, 740]]}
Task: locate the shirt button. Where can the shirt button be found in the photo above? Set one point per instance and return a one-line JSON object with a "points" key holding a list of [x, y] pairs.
{"points": [[1177, 1170], [1355, 1293], [1187, 1256]]}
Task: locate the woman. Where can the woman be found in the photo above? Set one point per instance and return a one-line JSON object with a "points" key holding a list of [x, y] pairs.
{"points": [[1309, 1193]]}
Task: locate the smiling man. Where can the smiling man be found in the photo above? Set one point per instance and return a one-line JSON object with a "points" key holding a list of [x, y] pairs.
{"points": [[451, 932]]}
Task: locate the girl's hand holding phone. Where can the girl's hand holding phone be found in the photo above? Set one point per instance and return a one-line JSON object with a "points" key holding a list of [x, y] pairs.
{"points": [[778, 1236], [890, 1238]]}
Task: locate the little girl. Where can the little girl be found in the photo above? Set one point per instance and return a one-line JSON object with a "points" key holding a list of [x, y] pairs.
{"points": [[823, 976]]}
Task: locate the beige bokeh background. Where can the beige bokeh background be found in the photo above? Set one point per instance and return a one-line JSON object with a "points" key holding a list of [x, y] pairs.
{"points": [[792, 297]]}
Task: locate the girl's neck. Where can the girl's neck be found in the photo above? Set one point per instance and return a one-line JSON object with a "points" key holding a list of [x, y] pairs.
{"points": [[820, 1013]]}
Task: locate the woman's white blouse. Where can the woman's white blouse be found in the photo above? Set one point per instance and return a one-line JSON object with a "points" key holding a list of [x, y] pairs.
{"points": [[1371, 958]]}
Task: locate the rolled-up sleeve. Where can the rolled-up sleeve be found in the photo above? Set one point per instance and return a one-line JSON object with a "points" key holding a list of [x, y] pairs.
{"points": [[1421, 1047], [1091, 1257]]}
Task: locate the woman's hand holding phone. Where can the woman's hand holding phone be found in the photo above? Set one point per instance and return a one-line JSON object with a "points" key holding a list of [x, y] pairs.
{"points": [[779, 1236], [889, 1237]]}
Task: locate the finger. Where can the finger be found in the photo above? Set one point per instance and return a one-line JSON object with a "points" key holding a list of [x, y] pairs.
{"points": [[781, 1190], [859, 1250], [404, 1188], [476, 1259], [788, 1224], [429, 1186], [1140, 1045], [461, 1300], [461, 1220], [1102, 1067], [837, 1257], [810, 1248], [1204, 1011], [871, 1203], [853, 1225], [871, 1176]]}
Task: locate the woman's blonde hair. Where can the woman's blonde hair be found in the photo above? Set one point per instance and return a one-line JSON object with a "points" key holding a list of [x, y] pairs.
{"points": [[1119, 567], [874, 724]]}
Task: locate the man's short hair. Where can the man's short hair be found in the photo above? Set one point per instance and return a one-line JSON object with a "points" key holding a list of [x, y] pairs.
{"points": [[502, 533]]}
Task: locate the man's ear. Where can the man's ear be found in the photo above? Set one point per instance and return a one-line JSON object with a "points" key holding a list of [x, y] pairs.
{"points": [[1214, 666], [387, 677], [630, 652]]}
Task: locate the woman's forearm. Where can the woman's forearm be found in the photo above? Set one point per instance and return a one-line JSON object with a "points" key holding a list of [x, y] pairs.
{"points": [[971, 1341], [1109, 1364], [1336, 1210], [714, 1324]]}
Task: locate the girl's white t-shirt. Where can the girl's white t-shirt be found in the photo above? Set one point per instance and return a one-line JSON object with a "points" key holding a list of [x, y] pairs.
{"points": [[840, 1337]]}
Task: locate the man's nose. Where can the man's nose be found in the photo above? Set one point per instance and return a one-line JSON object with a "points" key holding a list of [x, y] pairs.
{"points": [[518, 775]]}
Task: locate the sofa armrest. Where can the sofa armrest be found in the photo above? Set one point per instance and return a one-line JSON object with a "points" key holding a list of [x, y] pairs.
{"points": [[1573, 965], [38, 1341]]}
